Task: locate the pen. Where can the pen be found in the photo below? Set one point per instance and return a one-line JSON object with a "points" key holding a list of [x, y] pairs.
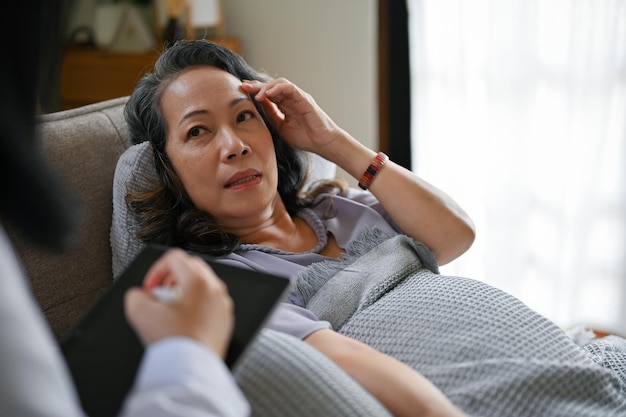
{"points": [[166, 294]]}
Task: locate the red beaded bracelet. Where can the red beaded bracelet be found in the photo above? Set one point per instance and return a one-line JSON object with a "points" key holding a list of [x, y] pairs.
{"points": [[372, 170]]}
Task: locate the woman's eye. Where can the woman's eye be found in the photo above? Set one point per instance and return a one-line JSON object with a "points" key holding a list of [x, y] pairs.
{"points": [[245, 115], [196, 131]]}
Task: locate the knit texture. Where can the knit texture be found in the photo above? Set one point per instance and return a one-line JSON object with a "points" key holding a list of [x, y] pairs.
{"points": [[284, 376], [486, 350]]}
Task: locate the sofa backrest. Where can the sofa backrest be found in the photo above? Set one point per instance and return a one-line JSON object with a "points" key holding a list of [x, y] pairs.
{"points": [[84, 145]]}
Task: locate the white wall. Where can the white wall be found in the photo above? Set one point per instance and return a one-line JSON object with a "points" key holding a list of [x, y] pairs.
{"points": [[327, 47]]}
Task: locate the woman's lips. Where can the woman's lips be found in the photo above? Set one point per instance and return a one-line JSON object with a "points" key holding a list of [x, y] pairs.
{"points": [[247, 177]]}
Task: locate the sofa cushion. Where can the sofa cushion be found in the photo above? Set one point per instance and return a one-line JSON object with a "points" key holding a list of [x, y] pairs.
{"points": [[134, 171]]}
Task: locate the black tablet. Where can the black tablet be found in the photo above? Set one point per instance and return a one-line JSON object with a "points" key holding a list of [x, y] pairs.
{"points": [[103, 352]]}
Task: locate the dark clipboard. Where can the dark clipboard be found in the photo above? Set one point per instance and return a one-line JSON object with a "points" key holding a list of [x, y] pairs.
{"points": [[103, 352]]}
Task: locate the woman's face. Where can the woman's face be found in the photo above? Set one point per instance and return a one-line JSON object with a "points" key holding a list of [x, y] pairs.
{"points": [[219, 146]]}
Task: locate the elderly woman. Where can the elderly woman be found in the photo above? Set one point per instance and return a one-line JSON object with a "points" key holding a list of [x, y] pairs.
{"points": [[229, 149]]}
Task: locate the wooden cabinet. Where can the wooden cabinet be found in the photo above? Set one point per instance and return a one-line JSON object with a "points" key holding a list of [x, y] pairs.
{"points": [[90, 75]]}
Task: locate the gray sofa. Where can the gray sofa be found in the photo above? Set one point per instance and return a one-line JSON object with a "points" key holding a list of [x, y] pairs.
{"points": [[280, 375]]}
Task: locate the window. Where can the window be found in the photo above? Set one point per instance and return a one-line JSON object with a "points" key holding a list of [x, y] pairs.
{"points": [[519, 113]]}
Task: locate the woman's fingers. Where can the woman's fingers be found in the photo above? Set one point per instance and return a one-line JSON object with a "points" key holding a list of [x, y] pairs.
{"points": [[279, 91], [294, 114]]}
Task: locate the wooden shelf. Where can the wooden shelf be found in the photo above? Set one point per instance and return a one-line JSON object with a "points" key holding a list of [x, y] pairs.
{"points": [[90, 75]]}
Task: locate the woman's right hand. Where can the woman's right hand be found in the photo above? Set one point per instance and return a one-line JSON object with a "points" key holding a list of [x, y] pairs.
{"points": [[294, 114], [203, 310]]}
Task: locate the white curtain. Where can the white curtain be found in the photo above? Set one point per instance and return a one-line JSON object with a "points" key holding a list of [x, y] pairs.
{"points": [[519, 113]]}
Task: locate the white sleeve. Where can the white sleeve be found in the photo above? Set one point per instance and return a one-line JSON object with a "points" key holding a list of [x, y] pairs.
{"points": [[34, 380], [180, 377]]}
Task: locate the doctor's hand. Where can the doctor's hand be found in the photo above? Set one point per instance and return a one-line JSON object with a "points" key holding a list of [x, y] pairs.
{"points": [[199, 306]]}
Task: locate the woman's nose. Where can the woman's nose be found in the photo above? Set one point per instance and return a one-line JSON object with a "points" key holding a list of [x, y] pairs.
{"points": [[244, 150], [233, 146]]}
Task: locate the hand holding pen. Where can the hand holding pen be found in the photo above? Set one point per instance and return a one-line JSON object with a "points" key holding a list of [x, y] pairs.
{"points": [[182, 296]]}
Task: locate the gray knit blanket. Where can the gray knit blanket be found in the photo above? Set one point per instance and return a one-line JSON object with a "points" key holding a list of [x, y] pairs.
{"points": [[487, 351]]}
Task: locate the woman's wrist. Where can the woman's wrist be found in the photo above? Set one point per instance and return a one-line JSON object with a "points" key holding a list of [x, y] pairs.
{"points": [[372, 170], [348, 154]]}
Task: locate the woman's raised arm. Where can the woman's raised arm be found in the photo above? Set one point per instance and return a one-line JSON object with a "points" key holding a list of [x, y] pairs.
{"points": [[420, 209]]}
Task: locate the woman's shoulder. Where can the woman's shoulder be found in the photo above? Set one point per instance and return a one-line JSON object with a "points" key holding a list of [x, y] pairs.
{"points": [[350, 202], [349, 195], [351, 212]]}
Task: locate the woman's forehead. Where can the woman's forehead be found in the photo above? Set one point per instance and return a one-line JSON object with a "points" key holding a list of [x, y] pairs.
{"points": [[209, 88], [210, 77]]}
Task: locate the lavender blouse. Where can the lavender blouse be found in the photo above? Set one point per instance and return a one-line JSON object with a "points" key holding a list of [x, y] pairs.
{"points": [[344, 217]]}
